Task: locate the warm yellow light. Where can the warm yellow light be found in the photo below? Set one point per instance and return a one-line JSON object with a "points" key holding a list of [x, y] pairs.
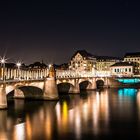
{"points": [[50, 65], [18, 64], [3, 60]]}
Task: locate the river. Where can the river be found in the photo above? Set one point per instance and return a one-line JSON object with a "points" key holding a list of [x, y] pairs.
{"points": [[106, 114]]}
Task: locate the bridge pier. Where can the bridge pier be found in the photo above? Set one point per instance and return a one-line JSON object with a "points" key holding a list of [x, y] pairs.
{"points": [[106, 82], [94, 86], [50, 89], [76, 88], [3, 98]]}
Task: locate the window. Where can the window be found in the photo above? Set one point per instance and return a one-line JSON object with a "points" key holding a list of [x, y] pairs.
{"points": [[129, 69]]}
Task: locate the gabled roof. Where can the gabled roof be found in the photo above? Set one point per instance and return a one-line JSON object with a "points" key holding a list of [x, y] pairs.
{"points": [[133, 54], [84, 53]]}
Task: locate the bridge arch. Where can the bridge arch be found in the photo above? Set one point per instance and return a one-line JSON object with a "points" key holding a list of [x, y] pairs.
{"points": [[85, 84], [25, 90], [65, 87], [28, 92], [100, 82]]}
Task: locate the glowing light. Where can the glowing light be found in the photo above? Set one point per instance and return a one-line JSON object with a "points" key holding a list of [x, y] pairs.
{"points": [[50, 65], [3, 60], [18, 64], [129, 81], [77, 124], [64, 81], [19, 132], [65, 110], [64, 116], [58, 112], [127, 92], [28, 128]]}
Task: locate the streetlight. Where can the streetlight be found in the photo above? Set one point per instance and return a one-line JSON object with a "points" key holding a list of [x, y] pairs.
{"points": [[3, 61], [18, 65]]}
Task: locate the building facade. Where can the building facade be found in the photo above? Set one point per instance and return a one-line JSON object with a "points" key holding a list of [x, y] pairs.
{"points": [[133, 57], [103, 63], [124, 69], [82, 61]]}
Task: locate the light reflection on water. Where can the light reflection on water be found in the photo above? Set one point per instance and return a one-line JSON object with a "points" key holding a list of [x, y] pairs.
{"points": [[104, 114]]}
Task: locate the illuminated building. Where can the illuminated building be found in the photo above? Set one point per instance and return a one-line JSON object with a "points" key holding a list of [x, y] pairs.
{"points": [[124, 69], [82, 61], [133, 57], [103, 63]]}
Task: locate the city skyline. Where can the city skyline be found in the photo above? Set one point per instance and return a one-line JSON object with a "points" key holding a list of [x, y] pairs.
{"points": [[53, 31]]}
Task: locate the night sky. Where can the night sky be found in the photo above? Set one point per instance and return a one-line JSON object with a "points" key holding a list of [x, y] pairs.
{"points": [[52, 31]]}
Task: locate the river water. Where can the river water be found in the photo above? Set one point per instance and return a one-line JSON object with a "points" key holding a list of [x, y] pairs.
{"points": [[106, 114]]}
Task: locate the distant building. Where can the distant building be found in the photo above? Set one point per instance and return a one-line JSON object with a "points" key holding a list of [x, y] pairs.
{"points": [[103, 63], [82, 60], [38, 70], [133, 57], [124, 69]]}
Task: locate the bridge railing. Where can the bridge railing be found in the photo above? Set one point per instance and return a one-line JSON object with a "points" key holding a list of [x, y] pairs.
{"points": [[78, 74], [73, 74]]}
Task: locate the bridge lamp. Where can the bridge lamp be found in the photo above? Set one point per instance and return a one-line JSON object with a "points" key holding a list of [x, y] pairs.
{"points": [[50, 65], [3, 61], [18, 64]]}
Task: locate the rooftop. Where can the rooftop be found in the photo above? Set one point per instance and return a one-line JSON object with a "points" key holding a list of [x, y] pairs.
{"points": [[133, 54], [38, 65], [123, 64], [105, 58], [84, 53]]}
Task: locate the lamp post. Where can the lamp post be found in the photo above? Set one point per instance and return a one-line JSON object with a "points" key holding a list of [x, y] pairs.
{"points": [[18, 66], [3, 60], [3, 98]]}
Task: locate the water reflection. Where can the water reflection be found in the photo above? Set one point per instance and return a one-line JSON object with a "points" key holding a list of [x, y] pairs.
{"points": [[19, 132], [138, 103], [127, 92], [3, 125], [93, 114]]}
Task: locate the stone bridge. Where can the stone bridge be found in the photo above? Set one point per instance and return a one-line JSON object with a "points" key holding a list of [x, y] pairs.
{"points": [[74, 85], [54, 82], [47, 87]]}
